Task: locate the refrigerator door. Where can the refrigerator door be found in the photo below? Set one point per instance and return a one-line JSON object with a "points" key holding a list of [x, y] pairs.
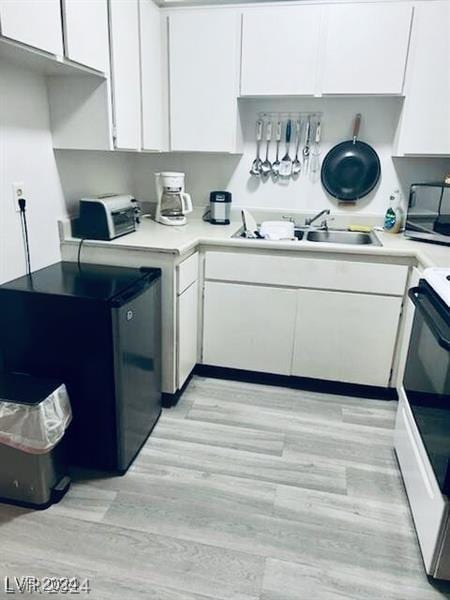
{"points": [[137, 341]]}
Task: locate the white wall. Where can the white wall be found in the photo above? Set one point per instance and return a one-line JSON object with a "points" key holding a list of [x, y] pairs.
{"points": [[26, 155], [86, 173], [208, 172]]}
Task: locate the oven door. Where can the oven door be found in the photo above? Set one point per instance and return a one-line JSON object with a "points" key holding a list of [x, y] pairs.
{"points": [[427, 378]]}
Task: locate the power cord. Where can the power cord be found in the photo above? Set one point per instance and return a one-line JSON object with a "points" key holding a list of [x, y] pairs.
{"points": [[23, 218], [79, 253]]}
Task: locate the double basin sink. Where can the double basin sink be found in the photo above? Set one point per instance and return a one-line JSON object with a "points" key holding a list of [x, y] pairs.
{"points": [[332, 236]]}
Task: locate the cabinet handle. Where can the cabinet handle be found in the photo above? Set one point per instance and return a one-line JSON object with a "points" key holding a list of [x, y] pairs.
{"points": [[415, 293]]}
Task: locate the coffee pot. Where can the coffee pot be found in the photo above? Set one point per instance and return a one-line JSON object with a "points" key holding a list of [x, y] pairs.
{"points": [[173, 203]]}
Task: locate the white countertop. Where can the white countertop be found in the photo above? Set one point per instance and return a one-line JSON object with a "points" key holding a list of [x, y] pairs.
{"points": [[152, 236]]}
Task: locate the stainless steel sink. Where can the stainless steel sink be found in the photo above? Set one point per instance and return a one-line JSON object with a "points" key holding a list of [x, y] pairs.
{"points": [[331, 236]]}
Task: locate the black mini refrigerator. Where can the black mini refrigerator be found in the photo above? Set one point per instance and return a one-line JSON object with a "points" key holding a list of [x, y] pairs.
{"points": [[97, 329]]}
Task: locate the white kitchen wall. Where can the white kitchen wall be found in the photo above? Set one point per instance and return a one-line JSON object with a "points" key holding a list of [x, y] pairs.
{"points": [[26, 155], [210, 171], [86, 173]]}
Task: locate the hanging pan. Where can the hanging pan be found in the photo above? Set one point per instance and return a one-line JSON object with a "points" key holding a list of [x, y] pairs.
{"points": [[351, 169]]}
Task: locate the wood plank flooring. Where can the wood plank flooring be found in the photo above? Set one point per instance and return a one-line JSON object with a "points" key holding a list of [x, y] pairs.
{"points": [[243, 492]]}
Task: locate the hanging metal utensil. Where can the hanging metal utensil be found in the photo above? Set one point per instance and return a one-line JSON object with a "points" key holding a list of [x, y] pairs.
{"points": [[256, 165], [297, 165], [286, 162], [306, 147], [276, 163], [266, 166], [314, 167]]}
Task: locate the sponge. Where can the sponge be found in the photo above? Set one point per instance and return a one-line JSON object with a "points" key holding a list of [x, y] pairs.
{"points": [[360, 228]]}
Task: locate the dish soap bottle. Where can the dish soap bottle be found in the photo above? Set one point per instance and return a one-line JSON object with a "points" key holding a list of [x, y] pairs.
{"points": [[393, 219]]}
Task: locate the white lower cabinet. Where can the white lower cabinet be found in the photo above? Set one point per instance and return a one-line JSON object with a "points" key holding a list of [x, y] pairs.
{"points": [[187, 332], [187, 318], [248, 327], [348, 337], [318, 318]]}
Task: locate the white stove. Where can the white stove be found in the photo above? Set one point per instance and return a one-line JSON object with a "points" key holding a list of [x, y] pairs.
{"points": [[439, 279]]}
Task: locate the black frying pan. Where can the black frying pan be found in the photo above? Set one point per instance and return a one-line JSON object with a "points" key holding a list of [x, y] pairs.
{"points": [[351, 169]]}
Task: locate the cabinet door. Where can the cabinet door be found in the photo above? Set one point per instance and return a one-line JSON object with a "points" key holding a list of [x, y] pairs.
{"points": [[151, 76], [248, 327], [125, 71], [280, 48], [204, 78], [366, 48], [36, 23], [187, 332], [337, 337], [425, 121], [86, 33]]}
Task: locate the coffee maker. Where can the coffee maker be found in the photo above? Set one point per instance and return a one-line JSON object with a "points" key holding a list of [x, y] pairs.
{"points": [[173, 202]]}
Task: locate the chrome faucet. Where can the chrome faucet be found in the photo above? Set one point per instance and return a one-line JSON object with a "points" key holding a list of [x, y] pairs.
{"points": [[323, 225]]}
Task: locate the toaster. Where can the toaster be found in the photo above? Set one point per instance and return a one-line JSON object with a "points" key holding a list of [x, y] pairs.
{"points": [[107, 217]]}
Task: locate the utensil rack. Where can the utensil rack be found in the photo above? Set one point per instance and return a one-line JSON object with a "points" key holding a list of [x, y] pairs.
{"points": [[300, 130], [293, 115]]}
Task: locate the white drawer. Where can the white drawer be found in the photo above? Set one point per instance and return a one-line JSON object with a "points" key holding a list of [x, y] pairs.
{"points": [[315, 273], [187, 273], [427, 503]]}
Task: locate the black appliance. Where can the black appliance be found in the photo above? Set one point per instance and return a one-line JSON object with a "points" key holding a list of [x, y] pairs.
{"points": [[220, 208], [428, 216], [97, 328], [107, 217], [427, 378]]}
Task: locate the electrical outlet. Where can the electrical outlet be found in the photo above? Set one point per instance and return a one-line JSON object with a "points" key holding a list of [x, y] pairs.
{"points": [[18, 192]]}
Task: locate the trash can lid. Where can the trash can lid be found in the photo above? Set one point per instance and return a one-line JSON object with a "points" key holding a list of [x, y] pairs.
{"points": [[22, 388]]}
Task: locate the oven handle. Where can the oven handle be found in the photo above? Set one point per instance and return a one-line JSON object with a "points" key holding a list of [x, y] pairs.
{"points": [[414, 294]]}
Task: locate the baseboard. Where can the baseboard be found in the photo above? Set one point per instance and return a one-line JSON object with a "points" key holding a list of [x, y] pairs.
{"points": [[170, 400], [299, 383]]}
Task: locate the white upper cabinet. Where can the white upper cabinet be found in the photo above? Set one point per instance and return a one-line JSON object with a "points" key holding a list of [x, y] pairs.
{"points": [[86, 33], [36, 23], [125, 73], [424, 126], [280, 50], [366, 48], [153, 111], [204, 80]]}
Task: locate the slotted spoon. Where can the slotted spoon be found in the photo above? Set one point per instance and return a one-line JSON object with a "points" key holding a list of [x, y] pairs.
{"points": [[276, 163], [256, 165], [286, 161], [297, 165], [266, 166]]}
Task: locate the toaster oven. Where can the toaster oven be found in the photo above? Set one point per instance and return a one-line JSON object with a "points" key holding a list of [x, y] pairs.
{"points": [[107, 217]]}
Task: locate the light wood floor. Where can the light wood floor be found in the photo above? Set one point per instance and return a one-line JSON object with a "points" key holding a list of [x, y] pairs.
{"points": [[243, 492]]}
